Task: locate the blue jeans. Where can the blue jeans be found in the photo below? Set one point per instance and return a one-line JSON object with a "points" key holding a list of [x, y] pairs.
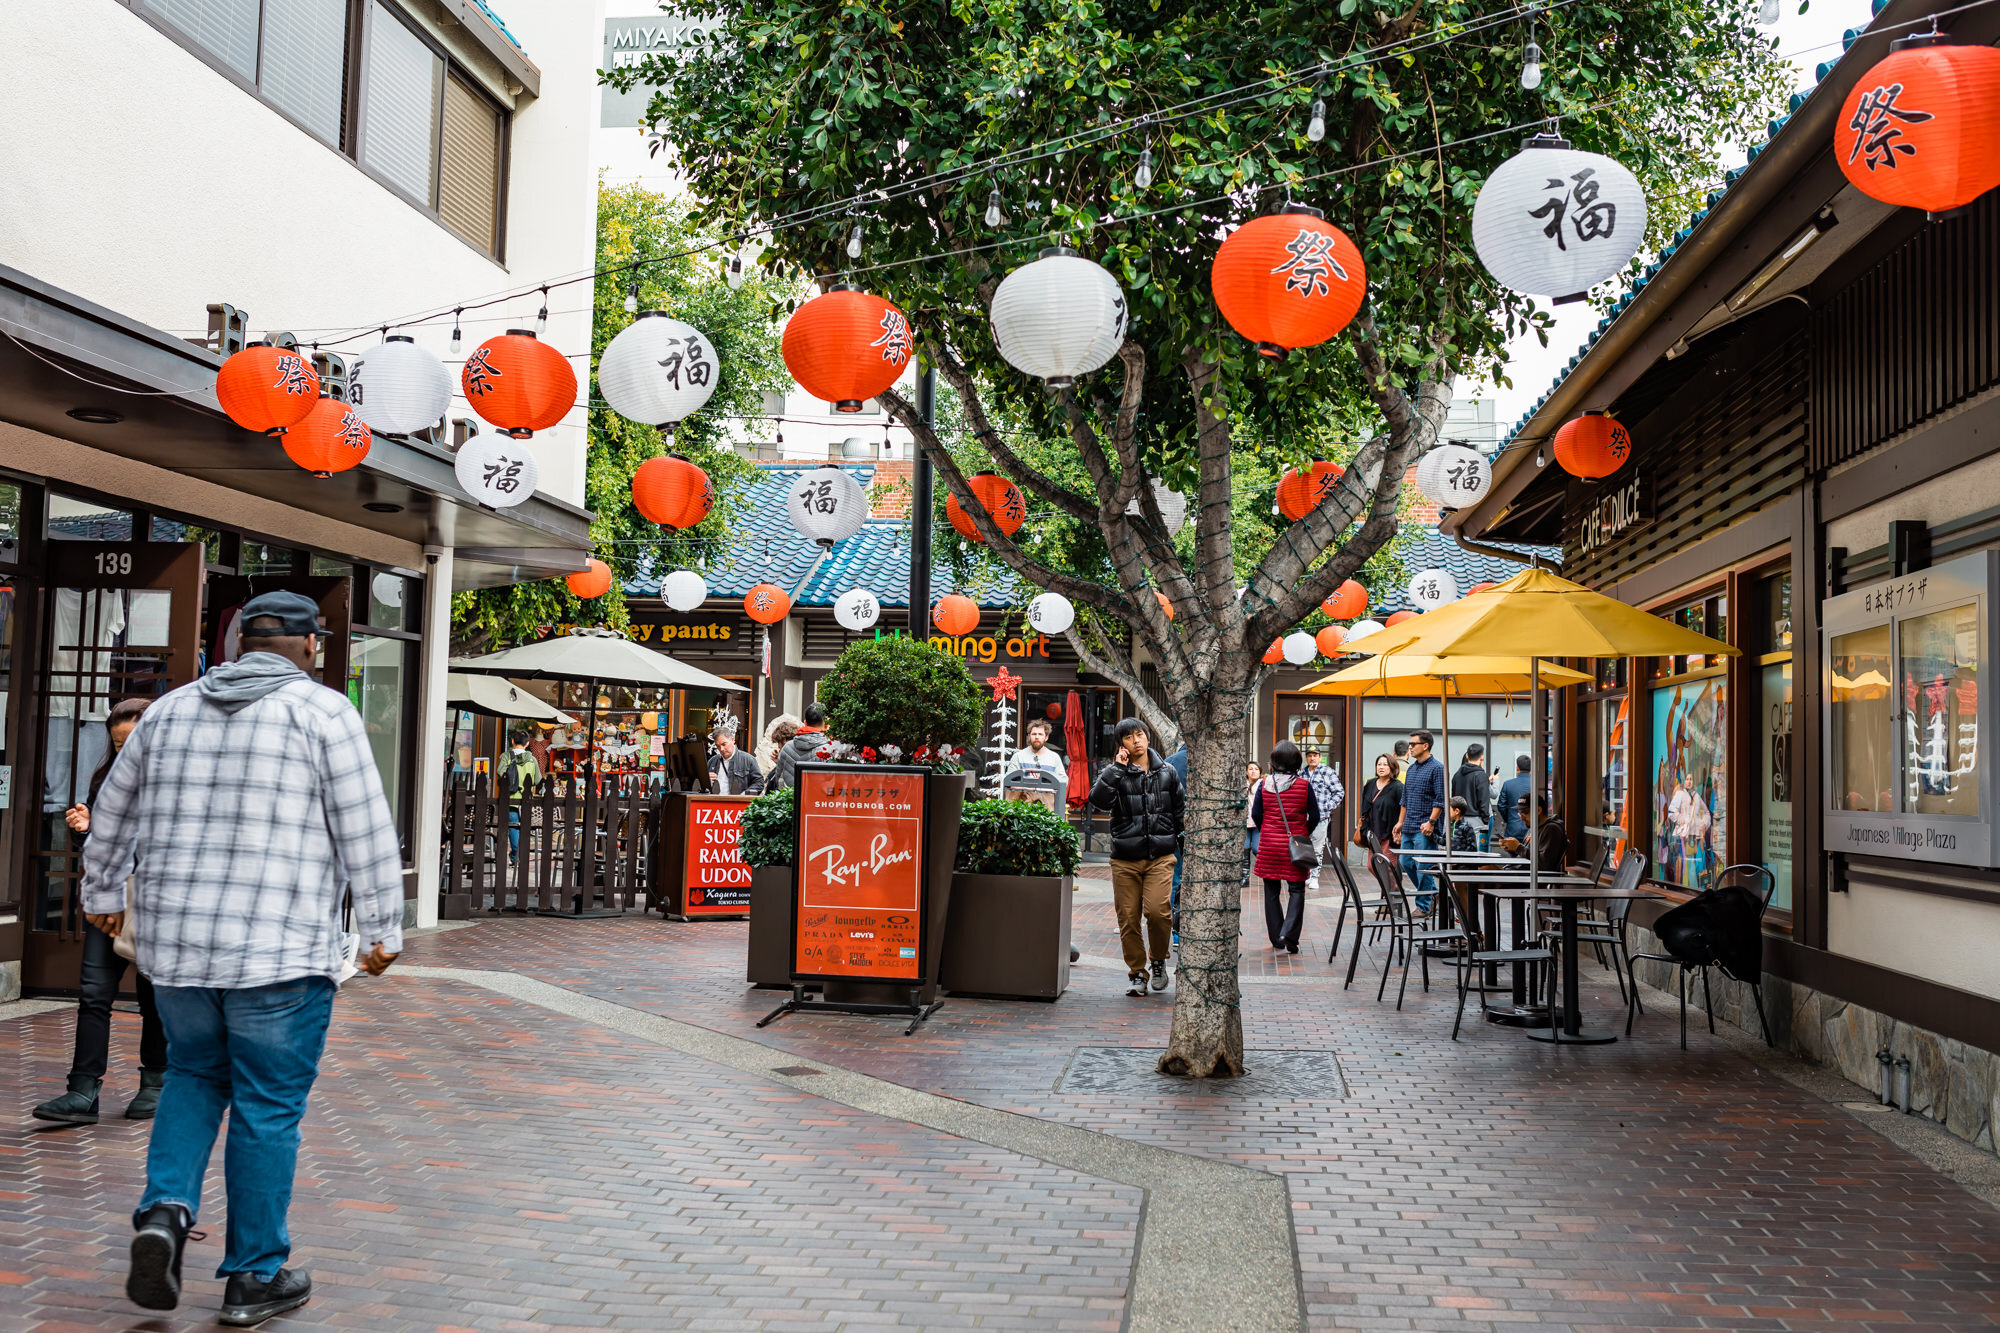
{"points": [[513, 832], [1416, 840], [254, 1053]]}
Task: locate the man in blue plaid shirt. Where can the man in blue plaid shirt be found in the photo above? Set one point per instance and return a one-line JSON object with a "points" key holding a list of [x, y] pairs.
{"points": [[1328, 794], [245, 807]]}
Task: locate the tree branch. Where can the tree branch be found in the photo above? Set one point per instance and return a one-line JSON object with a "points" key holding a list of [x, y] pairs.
{"points": [[1110, 661], [1025, 474]]}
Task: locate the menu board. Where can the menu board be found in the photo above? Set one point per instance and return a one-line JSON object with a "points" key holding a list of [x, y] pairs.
{"points": [[716, 878], [860, 874]]}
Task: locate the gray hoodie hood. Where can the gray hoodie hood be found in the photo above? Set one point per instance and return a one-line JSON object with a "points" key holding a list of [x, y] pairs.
{"points": [[234, 685]]}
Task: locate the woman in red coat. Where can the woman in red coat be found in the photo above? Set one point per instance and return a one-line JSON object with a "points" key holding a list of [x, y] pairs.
{"points": [[1283, 808]]}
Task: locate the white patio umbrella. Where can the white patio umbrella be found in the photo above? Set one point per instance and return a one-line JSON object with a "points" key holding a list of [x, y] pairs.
{"points": [[495, 697]]}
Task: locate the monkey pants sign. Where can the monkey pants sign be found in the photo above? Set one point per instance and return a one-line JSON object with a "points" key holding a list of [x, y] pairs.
{"points": [[860, 868], [718, 879]]}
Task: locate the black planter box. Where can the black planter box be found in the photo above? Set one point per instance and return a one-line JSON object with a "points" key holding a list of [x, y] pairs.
{"points": [[771, 926], [1007, 937]]}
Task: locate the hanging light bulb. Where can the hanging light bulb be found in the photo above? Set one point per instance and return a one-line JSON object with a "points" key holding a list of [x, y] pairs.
{"points": [[854, 242], [542, 318], [994, 217], [1316, 128], [632, 299], [1769, 13], [733, 272], [457, 338], [1531, 66], [1143, 177]]}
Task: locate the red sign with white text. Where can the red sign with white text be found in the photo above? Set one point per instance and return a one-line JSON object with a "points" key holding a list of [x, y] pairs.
{"points": [[716, 878], [860, 869]]}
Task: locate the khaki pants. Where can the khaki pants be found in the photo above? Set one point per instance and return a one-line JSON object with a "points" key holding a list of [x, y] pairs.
{"points": [[1143, 883]]}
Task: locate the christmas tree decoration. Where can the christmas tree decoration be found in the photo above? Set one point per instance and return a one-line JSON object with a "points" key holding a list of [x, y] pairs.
{"points": [[767, 604], [592, 581], [1299, 493], [1432, 588], [846, 345], [1553, 221], [1329, 639], [267, 389], [1454, 477], [684, 590], [672, 492], [1000, 751], [1059, 317], [398, 387], [1288, 280], [1298, 648], [956, 614], [657, 371], [1051, 613], [519, 383], [1921, 129], [1000, 497], [827, 505], [496, 470], [331, 438], [1591, 446], [857, 609], [1349, 600]]}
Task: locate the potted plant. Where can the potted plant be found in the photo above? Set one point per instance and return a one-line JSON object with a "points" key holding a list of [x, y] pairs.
{"points": [[1008, 931], [766, 846]]}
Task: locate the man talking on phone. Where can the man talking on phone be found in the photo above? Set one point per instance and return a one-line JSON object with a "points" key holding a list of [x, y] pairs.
{"points": [[1147, 804], [246, 807]]}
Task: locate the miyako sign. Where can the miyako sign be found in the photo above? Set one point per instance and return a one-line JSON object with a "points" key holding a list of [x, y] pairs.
{"points": [[1624, 508]]}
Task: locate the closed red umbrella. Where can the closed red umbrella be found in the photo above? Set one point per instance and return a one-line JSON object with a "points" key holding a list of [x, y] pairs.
{"points": [[1075, 743]]}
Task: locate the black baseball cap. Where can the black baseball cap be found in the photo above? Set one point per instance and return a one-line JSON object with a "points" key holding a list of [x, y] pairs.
{"points": [[295, 613]]}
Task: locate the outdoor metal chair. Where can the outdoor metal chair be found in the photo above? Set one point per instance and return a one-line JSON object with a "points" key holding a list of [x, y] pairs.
{"points": [[1608, 931], [1761, 883], [1369, 914], [1407, 930], [1476, 951]]}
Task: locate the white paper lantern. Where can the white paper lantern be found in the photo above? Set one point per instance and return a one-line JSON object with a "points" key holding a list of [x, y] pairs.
{"points": [[827, 505], [1361, 629], [684, 590], [387, 589], [1300, 648], [657, 371], [1051, 613], [398, 387], [496, 470], [857, 609], [1173, 506], [1553, 221], [1059, 317], [1454, 477], [1432, 588]]}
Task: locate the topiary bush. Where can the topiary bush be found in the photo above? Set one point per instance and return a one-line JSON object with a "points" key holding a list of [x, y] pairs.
{"points": [[1016, 838], [766, 830], [901, 693]]}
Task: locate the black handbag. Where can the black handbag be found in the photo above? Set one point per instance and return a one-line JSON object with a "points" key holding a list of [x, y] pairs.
{"points": [[1299, 849]]}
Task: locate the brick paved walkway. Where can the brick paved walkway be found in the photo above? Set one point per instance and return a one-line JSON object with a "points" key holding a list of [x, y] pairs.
{"points": [[477, 1162]]}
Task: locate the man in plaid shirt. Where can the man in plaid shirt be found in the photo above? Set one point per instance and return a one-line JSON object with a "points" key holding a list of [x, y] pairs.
{"points": [[1327, 794], [245, 808]]}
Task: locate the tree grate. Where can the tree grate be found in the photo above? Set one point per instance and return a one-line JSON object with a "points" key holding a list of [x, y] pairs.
{"points": [[1114, 1071]]}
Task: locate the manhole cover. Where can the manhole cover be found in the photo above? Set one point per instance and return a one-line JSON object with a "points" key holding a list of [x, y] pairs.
{"points": [[1116, 1071]]}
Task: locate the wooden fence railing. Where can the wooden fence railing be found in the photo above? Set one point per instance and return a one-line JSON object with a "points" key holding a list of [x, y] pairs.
{"points": [[568, 847]]}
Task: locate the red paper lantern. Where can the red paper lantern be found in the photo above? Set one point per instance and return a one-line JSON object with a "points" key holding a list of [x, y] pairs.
{"points": [[593, 580], [767, 603], [1400, 617], [1275, 653], [1054, 712], [847, 345], [956, 614], [1001, 498], [267, 389], [519, 383], [1328, 640], [1299, 493], [1592, 446], [1166, 604], [332, 438], [1349, 600], [672, 492], [1480, 587], [1922, 128], [1288, 280]]}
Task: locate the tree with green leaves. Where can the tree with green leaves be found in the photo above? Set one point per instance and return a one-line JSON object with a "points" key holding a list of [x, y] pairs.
{"points": [[904, 116], [651, 248]]}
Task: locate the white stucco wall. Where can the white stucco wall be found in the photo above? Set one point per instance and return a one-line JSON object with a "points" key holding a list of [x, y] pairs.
{"points": [[140, 178], [1946, 940]]}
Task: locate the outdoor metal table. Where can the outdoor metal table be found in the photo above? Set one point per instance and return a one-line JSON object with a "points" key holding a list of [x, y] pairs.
{"points": [[1566, 891], [1520, 1011], [1470, 861]]}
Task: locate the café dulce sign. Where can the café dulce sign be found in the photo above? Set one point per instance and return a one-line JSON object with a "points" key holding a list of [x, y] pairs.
{"points": [[1625, 508]]}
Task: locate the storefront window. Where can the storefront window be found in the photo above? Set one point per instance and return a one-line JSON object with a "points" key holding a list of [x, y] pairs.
{"points": [[1608, 750], [1690, 788], [1771, 638], [388, 595], [326, 567], [267, 558], [1864, 763], [10, 522], [1709, 616], [71, 519], [378, 677], [7, 759], [1939, 671]]}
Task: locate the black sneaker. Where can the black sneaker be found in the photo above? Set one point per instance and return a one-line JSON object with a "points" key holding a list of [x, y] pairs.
{"points": [[1138, 986], [247, 1301], [155, 1280], [1159, 974]]}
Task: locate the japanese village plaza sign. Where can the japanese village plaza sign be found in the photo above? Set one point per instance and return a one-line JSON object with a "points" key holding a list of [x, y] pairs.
{"points": [[1624, 508]]}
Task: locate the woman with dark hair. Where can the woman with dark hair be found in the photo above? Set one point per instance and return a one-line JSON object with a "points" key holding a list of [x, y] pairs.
{"points": [[103, 970], [1381, 804], [1283, 807]]}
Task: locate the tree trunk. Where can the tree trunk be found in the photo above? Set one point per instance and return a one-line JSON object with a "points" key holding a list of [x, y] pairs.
{"points": [[1207, 1038]]}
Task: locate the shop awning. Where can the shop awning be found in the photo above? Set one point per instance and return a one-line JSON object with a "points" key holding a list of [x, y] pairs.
{"points": [[496, 696], [595, 655], [153, 399]]}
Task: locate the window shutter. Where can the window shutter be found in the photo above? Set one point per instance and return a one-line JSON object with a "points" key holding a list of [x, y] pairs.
{"points": [[469, 175]]}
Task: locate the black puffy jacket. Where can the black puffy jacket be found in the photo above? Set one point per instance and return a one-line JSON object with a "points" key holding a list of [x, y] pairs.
{"points": [[1147, 808]]}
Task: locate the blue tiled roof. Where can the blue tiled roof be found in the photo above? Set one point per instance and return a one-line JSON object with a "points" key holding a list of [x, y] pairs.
{"points": [[1434, 550], [499, 23]]}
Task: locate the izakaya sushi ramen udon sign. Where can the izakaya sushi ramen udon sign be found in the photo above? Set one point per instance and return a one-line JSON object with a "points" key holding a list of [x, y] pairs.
{"points": [[717, 881], [860, 875]]}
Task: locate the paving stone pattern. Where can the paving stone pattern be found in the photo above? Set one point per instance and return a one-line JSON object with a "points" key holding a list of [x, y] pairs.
{"points": [[1133, 1070]]}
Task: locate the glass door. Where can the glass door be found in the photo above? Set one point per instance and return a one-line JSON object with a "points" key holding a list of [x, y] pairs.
{"points": [[122, 621]]}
